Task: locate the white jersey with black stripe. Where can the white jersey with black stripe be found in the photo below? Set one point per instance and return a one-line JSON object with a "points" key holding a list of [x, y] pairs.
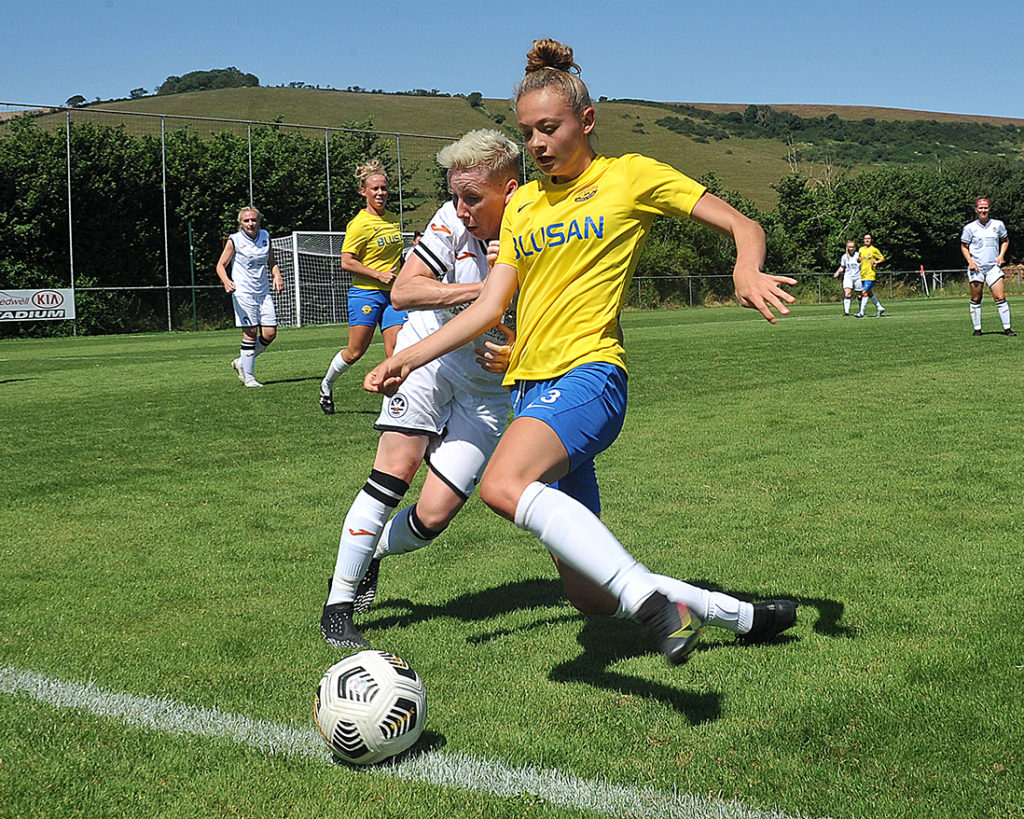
{"points": [[454, 256], [249, 264]]}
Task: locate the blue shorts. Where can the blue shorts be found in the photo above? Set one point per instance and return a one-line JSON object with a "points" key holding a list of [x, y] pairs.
{"points": [[866, 285], [372, 308], [585, 408]]}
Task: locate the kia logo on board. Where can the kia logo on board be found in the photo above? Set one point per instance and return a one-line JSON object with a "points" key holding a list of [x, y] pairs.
{"points": [[47, 299]]}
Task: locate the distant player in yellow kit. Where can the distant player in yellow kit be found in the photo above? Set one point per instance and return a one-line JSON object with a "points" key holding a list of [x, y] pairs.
{"points": [[870, 258], [372, 253], [569, 244]]}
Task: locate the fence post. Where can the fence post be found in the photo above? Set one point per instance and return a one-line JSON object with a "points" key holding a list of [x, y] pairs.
{"points": [[192, 276], [248, 128], [401, 190], [71, 239], [163, 194], [327, 167]]}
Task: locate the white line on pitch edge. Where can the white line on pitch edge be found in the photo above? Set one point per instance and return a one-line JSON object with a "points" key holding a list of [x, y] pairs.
{"points": [[450, 770]]}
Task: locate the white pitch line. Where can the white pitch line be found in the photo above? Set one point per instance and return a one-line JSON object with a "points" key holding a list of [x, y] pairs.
{"points": [[449, 770]]}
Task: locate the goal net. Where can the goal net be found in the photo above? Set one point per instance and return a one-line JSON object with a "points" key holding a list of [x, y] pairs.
{"points": [[316, 288]]}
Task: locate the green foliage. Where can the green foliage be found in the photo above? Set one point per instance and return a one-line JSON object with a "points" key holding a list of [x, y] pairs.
{"points": [[474, 99], [847, 142], [208, 80], [117, 201]]}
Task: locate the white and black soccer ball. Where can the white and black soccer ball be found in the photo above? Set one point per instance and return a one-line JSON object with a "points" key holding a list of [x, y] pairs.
{"points": [[370, 706]]}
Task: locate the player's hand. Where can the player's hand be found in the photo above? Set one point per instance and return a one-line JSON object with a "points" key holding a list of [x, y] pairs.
{"points": [[496, 357], [278, 283], [387, 276], [229, 286], [386, 377], [762, 292], [492, 252]]}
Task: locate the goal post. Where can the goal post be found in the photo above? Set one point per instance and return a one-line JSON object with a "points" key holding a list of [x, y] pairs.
{"points": [[316, 287]]}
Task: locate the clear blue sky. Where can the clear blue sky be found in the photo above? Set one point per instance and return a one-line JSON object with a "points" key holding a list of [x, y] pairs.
{"points": [[933, 56]]}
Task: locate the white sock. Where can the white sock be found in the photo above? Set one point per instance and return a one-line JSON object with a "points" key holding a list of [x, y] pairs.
{"points": [[338, 366], [863, 304], [362, 529], [875, 301], [712, 608], [576, 536], [1004, 313], [248, 357], [404, 533], [846, 306], [261, 344], [976, 314]]}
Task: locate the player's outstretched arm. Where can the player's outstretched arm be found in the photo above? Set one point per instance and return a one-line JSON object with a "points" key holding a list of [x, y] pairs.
{"points": [[754, 288], [417, 289], [486, 312]]}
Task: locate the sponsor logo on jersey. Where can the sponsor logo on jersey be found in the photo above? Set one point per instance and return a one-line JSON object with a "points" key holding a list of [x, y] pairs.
{"points": [[585, 195], [434, 226], [465, 254], [557, 234]]}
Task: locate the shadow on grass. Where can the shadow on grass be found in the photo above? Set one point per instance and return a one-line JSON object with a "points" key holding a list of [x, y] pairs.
{"points": [[605, 640]]}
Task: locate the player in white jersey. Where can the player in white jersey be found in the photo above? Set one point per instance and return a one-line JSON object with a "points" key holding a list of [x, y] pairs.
{"points": [[849, 266], [984, 243], [450, 414], [251, 256]]}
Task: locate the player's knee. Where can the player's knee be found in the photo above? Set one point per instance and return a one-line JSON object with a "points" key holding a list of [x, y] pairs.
{"points": [[499, 496]]}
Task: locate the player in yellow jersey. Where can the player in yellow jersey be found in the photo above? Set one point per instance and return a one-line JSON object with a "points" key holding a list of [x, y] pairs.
{"points": [[372, 253], [870, 258], [569, 244]]}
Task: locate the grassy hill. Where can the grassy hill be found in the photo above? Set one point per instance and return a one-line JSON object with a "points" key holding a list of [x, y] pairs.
{"points": [[748, 165]]}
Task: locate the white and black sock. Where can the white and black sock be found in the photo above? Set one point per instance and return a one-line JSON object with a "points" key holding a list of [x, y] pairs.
{"points": [[405, 532], [362, 529]]}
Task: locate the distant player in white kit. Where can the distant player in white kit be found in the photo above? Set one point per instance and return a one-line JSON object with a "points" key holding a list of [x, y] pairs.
{"points": [[849, 266], [251, 256], [984, 243]]}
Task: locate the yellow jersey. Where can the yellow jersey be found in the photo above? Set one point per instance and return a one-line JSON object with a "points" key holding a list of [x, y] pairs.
{"points": [[376, 241], [575, 246], [869, 257]]}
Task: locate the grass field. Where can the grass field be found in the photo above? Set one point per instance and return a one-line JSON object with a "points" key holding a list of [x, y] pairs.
{"points": [[168, 535]]}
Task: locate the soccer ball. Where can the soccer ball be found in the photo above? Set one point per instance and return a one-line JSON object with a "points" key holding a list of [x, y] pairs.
{"points": [[370, 706]]}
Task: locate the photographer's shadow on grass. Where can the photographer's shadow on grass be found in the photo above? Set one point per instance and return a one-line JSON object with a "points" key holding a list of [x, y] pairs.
{"points": [[606, 641]]}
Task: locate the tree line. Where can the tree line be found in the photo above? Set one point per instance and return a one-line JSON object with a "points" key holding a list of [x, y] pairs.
{"points": [[915, 213], [847, 142], [117, 185]]}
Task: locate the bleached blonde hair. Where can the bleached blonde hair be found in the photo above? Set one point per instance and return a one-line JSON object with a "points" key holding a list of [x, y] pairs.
{"points": [[247, 210], [484, 147], [372, 167]]}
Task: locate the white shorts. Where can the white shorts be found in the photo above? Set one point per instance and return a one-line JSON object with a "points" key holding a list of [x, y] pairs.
{"points": [[989, 275], [463, 425], [851, 282], [253, 311]]}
